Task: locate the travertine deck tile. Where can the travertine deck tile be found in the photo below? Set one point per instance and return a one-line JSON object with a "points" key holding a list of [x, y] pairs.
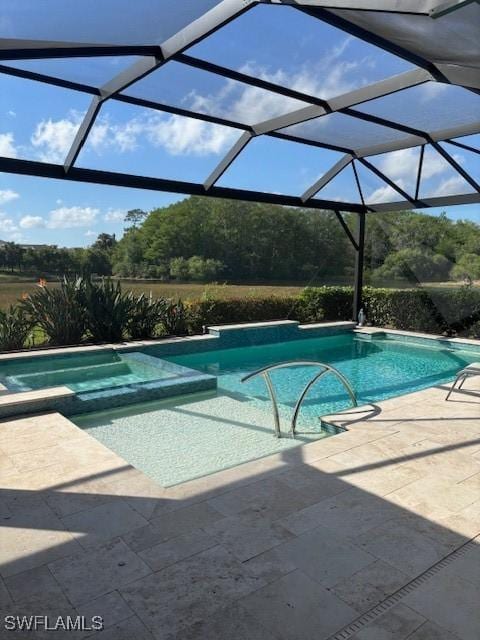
{"points": [[248, 534], [325, 556], [232, 623], [189, 592], [292, 546], [104, 522], [370, 585], [171, 525], [111, 607], [296, 606], [130, 629], [175, 549], [31, 538], [91, 574]]}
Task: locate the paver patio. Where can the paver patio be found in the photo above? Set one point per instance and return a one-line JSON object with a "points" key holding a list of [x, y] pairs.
{"points": [[296, 546]]}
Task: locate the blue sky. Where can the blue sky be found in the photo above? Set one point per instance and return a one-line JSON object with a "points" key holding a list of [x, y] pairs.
{"points": [[278, 43]]}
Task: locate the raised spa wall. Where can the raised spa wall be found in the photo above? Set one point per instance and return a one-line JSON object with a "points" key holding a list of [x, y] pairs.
{"points": [[185, 380]]}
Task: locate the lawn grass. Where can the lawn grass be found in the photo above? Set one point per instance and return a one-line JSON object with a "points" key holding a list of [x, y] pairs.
{"points": [[10, 292]]}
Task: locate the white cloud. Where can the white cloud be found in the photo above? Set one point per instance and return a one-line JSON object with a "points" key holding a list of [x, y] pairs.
{"points": [[90, 233], [98, 135], [7, 145], [7, 225], [125, 136], [186, 136], [53, 138], [115, 215], [71, 217], [7, 195], [449, 187], [11, 113], [402, 166], [32, 222], [384, 194], [431, 90]]}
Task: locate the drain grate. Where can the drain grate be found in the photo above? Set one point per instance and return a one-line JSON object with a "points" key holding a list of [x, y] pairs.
{"points": [[378, 610]]}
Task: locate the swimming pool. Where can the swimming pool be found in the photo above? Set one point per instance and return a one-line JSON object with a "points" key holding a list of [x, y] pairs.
{"points": [[192, 436]]}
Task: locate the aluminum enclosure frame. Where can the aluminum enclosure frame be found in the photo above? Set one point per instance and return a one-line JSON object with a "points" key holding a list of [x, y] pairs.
{"points": [[176, 49]]}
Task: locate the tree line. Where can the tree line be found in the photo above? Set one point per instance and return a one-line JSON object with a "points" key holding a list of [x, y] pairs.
{"points": [[206, 240]]}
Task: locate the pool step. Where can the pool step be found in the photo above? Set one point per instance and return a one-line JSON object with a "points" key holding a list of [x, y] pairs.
{"points": [[70, 375], [48, 363]]}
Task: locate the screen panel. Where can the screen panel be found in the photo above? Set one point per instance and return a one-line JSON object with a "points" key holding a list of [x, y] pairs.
{"points": [[278, 166], [451, 39], [130, 139], [343, 130], [179, 85], [431, 106], [286, 46], [141, 22]]}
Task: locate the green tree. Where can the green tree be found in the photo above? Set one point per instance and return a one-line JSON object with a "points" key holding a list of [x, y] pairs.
{"points": [[415, 265], [467, 267], [179, 269], [105, 242], [135, 217]]}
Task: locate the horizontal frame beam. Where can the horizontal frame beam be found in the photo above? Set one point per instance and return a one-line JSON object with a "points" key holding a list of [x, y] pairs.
{"points": [[44, 51], [93, 176]]}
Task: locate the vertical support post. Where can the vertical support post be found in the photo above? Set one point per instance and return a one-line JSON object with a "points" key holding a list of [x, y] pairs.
{"points": [[359, 261]]}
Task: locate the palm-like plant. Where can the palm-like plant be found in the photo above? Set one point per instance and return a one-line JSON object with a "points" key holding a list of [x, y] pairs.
{"points": [[58, 312], [15, 328], [108, 310], [145, 317], [174, 318]]}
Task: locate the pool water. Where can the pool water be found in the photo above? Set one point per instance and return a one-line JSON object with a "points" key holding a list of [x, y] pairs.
{"points": [[79, 372], [184, 438], [377, 369]]}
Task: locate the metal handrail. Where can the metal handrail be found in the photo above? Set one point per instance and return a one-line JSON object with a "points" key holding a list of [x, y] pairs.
{"points": [[326, 368]]}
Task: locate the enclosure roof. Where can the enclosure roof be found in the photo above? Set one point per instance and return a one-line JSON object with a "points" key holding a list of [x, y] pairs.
{"points": [[365, 130]]}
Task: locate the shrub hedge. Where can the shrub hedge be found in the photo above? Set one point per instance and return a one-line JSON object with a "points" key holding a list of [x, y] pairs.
{"points": [[234, 310], [444, 311]]}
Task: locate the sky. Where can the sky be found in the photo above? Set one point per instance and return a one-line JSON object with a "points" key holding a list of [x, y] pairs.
{"points": [[39, 122]]}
